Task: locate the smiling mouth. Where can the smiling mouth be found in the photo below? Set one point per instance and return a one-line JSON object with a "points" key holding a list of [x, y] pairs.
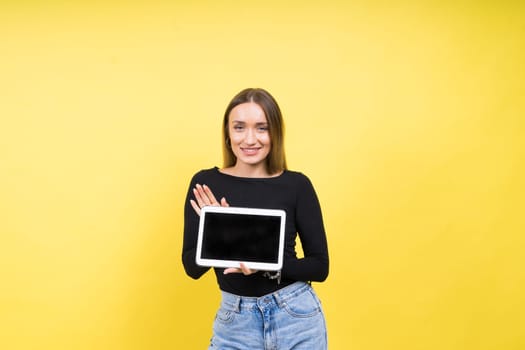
{"points": [[250, 151]]}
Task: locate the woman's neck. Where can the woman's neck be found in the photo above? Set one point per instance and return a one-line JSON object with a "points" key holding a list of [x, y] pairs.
{"points": [[247, 171]]}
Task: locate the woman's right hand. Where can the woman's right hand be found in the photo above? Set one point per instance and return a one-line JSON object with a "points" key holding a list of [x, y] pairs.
{"points": [[204, 197]]}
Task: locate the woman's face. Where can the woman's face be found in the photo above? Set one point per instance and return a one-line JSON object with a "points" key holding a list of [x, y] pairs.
{"points": [[249, 135]]}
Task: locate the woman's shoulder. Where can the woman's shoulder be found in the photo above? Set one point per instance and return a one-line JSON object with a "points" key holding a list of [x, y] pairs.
{"points": [[211, 170], [294, 174], [296, 177], [205, 173]]}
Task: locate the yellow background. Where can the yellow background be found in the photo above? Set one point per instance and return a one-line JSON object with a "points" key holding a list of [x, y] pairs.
{"points": [[408, 116]]}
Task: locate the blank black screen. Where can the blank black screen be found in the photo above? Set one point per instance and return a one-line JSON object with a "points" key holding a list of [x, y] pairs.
{"points": [[241, 237]]}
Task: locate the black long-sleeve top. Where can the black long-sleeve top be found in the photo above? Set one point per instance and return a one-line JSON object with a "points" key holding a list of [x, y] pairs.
{"points": [[291, 191]]}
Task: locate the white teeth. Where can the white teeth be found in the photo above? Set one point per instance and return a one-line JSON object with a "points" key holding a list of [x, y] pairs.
{"points": [[250, 150]]}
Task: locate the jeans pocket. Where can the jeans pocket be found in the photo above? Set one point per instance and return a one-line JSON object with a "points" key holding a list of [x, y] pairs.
{"points": [[303, 305], [225, 314]]}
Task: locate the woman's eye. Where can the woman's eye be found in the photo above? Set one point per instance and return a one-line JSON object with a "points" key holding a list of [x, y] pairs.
{"points": [[237, 127], [263, 128]]}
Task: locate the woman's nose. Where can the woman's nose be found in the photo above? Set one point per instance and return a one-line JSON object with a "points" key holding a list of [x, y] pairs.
{"points": [[250, 136]]}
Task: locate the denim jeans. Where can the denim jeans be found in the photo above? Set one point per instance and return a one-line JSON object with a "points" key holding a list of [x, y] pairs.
{"points": [[290, 318]]}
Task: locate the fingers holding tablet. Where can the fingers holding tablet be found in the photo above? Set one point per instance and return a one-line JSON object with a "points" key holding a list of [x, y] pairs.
{"points": [[242, 269]]}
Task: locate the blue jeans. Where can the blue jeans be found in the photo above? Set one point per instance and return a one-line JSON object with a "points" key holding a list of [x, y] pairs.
{"points": [[290, 318]]}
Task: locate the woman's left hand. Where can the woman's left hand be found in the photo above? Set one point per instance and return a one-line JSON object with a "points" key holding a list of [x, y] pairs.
{"points": [[204, 197], [242, 269]]}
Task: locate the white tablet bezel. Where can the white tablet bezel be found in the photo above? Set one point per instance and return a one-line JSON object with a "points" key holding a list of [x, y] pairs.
{"points": [[263, 266]]}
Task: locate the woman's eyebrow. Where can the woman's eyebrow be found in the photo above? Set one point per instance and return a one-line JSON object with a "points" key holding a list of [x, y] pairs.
{"points": [[243, 122]]}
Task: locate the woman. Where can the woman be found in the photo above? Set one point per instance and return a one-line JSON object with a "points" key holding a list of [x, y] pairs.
{"points": [[262, 310]]}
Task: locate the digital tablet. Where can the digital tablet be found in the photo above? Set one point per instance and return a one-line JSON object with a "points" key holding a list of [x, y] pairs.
{"points": [[231, 235]]}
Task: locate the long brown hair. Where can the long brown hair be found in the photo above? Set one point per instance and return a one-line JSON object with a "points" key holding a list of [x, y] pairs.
{"points": [[276, 159]]}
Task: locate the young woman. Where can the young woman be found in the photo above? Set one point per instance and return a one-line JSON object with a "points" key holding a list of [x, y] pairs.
{"points": [[262, 310]]}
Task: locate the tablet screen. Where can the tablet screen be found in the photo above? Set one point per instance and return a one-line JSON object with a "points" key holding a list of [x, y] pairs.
{"points": [[246, 237], [229, 236]]}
